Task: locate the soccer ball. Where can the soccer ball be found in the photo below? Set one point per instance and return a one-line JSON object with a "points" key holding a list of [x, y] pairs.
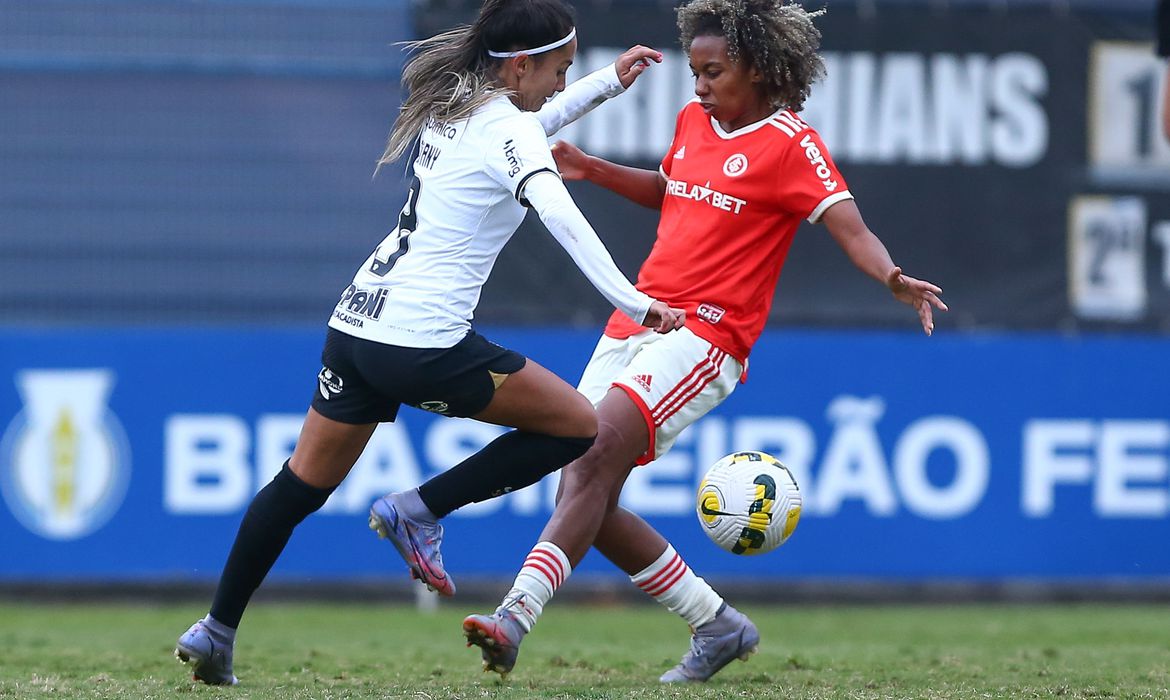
{"points": [[748, 503]]}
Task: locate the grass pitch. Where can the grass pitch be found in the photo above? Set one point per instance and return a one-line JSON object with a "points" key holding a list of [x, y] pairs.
{"points": [[353, 651]]}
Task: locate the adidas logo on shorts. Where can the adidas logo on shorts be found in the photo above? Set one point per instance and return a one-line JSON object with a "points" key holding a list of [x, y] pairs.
{"points": [[643, 381]]}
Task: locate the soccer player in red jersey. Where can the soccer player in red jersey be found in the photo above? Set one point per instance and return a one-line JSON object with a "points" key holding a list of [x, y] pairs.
{"points": [[743, 171]]}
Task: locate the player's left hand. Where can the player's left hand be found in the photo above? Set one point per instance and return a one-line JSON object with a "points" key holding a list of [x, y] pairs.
{"points": [[631, 63], [664, 318], [920, 294]]}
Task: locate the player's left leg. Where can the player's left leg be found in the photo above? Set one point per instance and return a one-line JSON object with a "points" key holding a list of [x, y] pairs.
{"points": [[720, 633], [554, 425]]}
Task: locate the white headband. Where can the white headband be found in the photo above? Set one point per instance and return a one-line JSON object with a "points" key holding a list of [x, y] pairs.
{"points": [[539, 49]]}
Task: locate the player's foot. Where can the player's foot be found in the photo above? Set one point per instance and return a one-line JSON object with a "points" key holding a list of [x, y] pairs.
{"points": [[210, 661], [416, 540], [498, 636], [731, 635]]}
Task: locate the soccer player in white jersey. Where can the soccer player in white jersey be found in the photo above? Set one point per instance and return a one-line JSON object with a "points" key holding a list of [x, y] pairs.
{"points": [[741, 174], [401, 332]]}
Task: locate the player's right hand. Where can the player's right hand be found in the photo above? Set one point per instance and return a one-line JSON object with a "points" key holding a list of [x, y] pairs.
{"points": [[571, 161], [631, 63], [663, 318]]}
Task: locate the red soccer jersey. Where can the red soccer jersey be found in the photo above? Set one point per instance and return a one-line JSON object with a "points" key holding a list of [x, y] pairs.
{"points": [[733, 203]]}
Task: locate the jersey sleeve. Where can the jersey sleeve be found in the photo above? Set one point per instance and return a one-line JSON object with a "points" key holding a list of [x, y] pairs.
{"points": [[517, 149], [808, 179], [579, 99], [568, 225], [675, 144]]}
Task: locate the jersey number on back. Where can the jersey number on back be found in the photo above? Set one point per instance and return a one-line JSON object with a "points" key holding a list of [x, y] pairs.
{"points": [[391, 250]]}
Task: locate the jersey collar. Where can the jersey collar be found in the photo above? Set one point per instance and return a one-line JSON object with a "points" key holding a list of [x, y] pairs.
{"points": [[743, 129]]}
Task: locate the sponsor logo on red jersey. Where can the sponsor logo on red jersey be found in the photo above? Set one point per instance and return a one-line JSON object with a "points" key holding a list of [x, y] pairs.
{"points": [[710, 312], [704, 193], [817, 159]]}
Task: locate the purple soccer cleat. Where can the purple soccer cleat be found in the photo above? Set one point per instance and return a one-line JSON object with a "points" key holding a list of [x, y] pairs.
{"points": [[498, 636], [210, 661], [730, 636], [416, 541]]}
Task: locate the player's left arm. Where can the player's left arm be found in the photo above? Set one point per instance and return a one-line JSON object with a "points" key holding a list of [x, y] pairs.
{"points": [[581, 96], [869, 254]]}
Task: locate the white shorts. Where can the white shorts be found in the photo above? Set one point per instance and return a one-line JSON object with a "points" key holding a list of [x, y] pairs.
{"points": [[673, 378]]}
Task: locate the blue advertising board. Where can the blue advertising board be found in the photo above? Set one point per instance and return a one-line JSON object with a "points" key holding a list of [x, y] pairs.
{"points": [[132, 454]]}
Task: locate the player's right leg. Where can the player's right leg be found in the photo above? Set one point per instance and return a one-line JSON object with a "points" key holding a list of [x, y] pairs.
{"points": [[586, 487], [323, 456], [340, 421], [697, 377], [653, 387]]}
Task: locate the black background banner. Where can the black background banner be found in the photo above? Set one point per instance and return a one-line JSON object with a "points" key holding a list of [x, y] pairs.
{"points": [[981, 201]]}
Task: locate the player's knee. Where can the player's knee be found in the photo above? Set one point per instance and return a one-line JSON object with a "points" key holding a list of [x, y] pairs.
{"points": [[581, 418], [604, 463]]}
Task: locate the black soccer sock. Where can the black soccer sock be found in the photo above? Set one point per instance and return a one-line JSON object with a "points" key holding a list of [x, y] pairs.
{"points": [[275, 511], [509, 463]]}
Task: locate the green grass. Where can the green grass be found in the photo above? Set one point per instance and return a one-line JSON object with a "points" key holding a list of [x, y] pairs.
{"points": [[352, 651]]}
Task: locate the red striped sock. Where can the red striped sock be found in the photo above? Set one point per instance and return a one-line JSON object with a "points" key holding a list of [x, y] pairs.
{"points": [[545, 568], [671, 582]]}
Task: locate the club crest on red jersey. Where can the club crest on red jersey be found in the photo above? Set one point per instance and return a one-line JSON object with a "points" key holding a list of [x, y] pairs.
{"points": [[735, 165]]}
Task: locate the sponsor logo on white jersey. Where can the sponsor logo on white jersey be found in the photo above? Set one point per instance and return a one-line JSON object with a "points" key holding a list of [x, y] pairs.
{"points": [[704, 193], [514, 162], [357, 305], [736, 165], [817, 159], [64, 460]]}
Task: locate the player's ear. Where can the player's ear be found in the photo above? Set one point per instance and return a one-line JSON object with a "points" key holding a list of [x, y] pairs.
{"points": [[523, 64]]}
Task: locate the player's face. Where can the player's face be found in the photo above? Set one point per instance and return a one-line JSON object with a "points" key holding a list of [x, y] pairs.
{"points": [[731, 92], [544, 76]]}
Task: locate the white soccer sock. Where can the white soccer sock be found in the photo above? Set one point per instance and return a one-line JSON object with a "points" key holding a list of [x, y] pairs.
{"points": [[671, 582], [544, 570]]}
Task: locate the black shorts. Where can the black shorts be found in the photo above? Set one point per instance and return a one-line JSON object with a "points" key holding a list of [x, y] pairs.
{"points": [[362, 381]]}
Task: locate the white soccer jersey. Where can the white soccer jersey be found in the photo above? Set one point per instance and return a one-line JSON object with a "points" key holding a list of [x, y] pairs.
{"points": [[420, 286]]}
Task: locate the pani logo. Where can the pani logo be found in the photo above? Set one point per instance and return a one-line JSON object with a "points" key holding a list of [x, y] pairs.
{"points": [[64, 459], [736, 165]]}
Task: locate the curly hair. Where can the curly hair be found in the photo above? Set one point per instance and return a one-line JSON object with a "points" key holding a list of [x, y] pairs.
{"points": [[775, 36]]}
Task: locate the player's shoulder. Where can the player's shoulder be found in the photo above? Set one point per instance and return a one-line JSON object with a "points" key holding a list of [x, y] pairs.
{"points": [[500, 115], [692, 109], [786, 125]]}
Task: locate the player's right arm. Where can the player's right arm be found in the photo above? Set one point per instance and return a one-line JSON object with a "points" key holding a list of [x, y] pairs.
{"points": [[645, 187]]}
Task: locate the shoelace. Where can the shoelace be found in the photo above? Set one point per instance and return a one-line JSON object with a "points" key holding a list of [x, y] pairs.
{"points": [[698, 644]]}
